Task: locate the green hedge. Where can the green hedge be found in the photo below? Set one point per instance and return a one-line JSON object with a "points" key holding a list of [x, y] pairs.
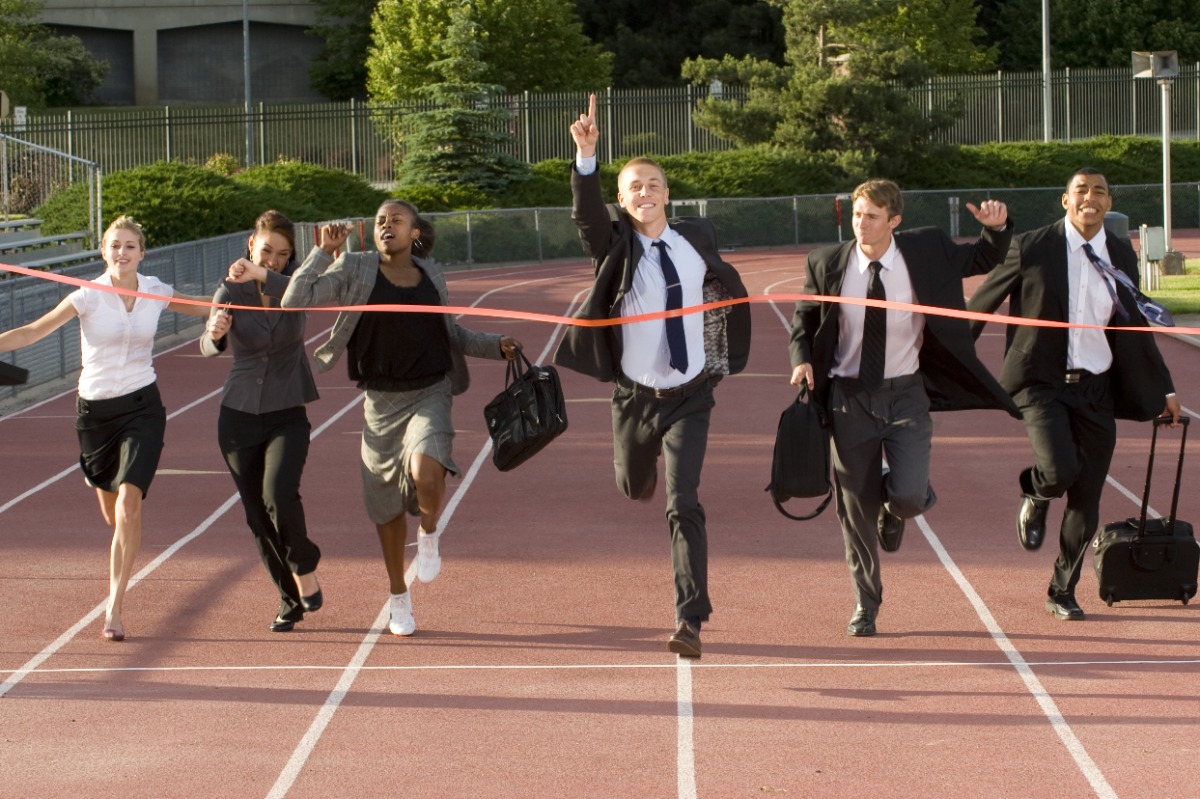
{"points": [[182, 202]]}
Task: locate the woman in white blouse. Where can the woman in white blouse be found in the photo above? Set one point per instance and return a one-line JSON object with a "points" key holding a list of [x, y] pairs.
{"points": [[120, 418]]}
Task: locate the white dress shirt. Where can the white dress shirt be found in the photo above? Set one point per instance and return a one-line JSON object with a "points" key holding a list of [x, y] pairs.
{"points": [[905, 329], [117, 345], [645, 357], [1090, 304]]}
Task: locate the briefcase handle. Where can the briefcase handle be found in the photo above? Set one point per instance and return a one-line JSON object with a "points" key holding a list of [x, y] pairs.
{"points": [[1159, 422]]}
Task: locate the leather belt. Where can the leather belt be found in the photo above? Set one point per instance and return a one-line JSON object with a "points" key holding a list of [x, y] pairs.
{"points": [[664, 393], [1076, 375]]}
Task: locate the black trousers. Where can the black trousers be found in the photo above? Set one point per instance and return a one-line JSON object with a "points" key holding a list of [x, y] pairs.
{"points": [[266, 455], [676, 426], [1073, 433]]}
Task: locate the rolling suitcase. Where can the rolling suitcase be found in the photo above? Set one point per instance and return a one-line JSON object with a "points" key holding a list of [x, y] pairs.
{"points": [[1149, 558]]}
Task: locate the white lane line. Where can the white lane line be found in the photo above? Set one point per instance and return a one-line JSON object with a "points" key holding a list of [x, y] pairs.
{"points": [[52, 648], [1059, 724], [825, 665], [291, 770], [685, 756]]}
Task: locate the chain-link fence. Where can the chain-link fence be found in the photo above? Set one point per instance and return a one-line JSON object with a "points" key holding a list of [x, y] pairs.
{"points": [[468, 239]]}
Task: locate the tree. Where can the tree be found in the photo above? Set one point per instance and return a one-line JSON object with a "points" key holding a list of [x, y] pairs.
{"points": [[37, 68], [523, 45], [652, 40], [461, 138], [846, 88], [340, 70], [1094, 33]]}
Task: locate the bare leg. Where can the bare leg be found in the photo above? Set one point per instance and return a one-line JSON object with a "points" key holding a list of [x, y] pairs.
{"points": [[429, 477], [123, 511], [392, 536]]}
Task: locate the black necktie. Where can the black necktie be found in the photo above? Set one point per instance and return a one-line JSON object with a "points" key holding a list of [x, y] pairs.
{"points": [[676, 340], [1150, 309], [874, 343]]}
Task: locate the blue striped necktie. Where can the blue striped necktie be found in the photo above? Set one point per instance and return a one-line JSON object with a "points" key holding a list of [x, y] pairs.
{"points": [[1154, 313]]}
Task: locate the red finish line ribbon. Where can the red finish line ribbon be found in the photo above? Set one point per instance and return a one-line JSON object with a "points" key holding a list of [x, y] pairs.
{"points": [[529, 316]]}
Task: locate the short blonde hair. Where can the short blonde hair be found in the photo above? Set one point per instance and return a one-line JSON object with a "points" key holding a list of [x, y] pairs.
{"points": [[125, 222]]}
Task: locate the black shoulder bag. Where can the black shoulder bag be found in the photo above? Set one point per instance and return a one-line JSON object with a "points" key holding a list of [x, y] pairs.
{"points": [[800, 466]]}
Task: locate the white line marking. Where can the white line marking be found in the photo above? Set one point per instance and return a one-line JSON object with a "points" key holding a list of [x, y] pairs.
{"points": [[685, 755], [826, 665], [87, 620], [291, 770], [1059, 724]]}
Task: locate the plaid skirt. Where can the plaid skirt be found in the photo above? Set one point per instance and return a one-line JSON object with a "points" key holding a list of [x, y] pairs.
{"points": [[397, 425], [121, 439]]}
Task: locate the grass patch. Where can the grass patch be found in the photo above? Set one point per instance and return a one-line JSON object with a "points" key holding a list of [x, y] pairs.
{"points": [[1180, 294]]}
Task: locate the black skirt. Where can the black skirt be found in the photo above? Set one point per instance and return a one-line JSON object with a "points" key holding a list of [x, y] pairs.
{"points": [[120, 439]]}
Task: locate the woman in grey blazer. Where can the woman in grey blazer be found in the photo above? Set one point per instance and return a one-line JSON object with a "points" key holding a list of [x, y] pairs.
{"points": [[409, 365], [263, 429]]}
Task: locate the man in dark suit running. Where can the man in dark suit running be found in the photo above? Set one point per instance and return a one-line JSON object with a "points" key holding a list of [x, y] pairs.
{"points": [[877, 374], [1072, 383], [665, 369]]}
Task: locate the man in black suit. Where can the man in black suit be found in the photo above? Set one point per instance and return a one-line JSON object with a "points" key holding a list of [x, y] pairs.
{"points": [[1072, 383], [877, 374], [665, 369]]}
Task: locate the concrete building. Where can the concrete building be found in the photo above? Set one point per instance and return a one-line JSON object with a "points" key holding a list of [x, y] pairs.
{"points": [[164, 52]]}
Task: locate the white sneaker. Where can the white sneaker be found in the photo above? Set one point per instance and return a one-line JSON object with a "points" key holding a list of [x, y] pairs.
{"points": [[402, 622], [429, 562]]}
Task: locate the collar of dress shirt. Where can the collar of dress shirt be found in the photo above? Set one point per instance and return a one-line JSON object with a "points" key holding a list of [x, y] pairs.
{"points": [[863, 263], [1075, 240]]}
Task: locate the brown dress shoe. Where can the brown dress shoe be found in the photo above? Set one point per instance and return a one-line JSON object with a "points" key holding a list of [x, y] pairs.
{"points": [[686, 641], [862, 623], [890, 529]]}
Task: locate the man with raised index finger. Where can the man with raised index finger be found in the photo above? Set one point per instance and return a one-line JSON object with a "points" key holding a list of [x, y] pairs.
{"points": [[664, 368]]}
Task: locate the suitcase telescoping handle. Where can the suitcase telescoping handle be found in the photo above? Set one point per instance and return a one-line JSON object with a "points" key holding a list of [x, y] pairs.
{"points": [[1159, 422]]}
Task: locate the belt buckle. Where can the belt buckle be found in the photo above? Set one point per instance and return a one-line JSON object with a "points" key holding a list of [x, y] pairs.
{"points": [[1073, 377]]}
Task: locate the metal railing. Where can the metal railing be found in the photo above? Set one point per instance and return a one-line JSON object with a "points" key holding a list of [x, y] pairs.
{"points": [[30, 173], [359, 138]]}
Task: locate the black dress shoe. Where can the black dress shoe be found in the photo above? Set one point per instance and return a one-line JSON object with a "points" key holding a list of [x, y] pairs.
{"points": [[313, 602], [281, 625], [1031, 517], [862, 623], [1064, 608], [1031, 521], [890, 529], [686, 641]]}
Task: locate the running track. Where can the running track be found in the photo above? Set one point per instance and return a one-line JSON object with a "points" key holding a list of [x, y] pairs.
{"points": [[539, 668]]}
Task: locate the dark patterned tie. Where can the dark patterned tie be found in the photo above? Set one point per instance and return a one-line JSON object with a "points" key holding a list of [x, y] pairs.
{"points": [[676, 340], [1150, 309], [874, 344]]}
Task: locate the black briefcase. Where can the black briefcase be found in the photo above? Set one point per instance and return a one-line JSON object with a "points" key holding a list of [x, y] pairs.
{"points": [[527, 415], [1149, 558]]}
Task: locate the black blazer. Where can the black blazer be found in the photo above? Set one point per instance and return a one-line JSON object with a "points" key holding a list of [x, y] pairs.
{"points": [[1034, 280], [608, 237], [954, 377]]}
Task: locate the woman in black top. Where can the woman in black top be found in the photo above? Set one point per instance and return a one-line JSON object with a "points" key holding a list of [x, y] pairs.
{"points": [[409, 365], [263, 429]]}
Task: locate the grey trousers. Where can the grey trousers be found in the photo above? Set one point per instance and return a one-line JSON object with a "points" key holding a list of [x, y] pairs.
{"points": [[892, 421], [644, 426]]}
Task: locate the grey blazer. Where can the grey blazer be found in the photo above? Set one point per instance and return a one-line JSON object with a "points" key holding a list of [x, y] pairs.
{"points": [[323, 281], [270, 369]]}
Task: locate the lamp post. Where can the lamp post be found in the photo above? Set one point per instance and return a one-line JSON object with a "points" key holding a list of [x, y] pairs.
{"points": [[1162, 65], [1046, 70], [246, 80]]}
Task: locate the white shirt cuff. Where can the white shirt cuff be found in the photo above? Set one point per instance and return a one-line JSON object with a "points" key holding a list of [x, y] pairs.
{"points": [[585, 166]]}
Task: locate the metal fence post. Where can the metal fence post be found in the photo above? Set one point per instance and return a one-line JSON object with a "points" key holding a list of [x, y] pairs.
{"points": [[167, 129], [537, 226], [353, 137]]}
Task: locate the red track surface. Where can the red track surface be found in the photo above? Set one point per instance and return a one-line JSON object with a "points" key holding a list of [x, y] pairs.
{"points": [[539, 667]]}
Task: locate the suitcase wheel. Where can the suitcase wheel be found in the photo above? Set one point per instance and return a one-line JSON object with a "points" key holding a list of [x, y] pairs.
{"points": [[1109, 599]]}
